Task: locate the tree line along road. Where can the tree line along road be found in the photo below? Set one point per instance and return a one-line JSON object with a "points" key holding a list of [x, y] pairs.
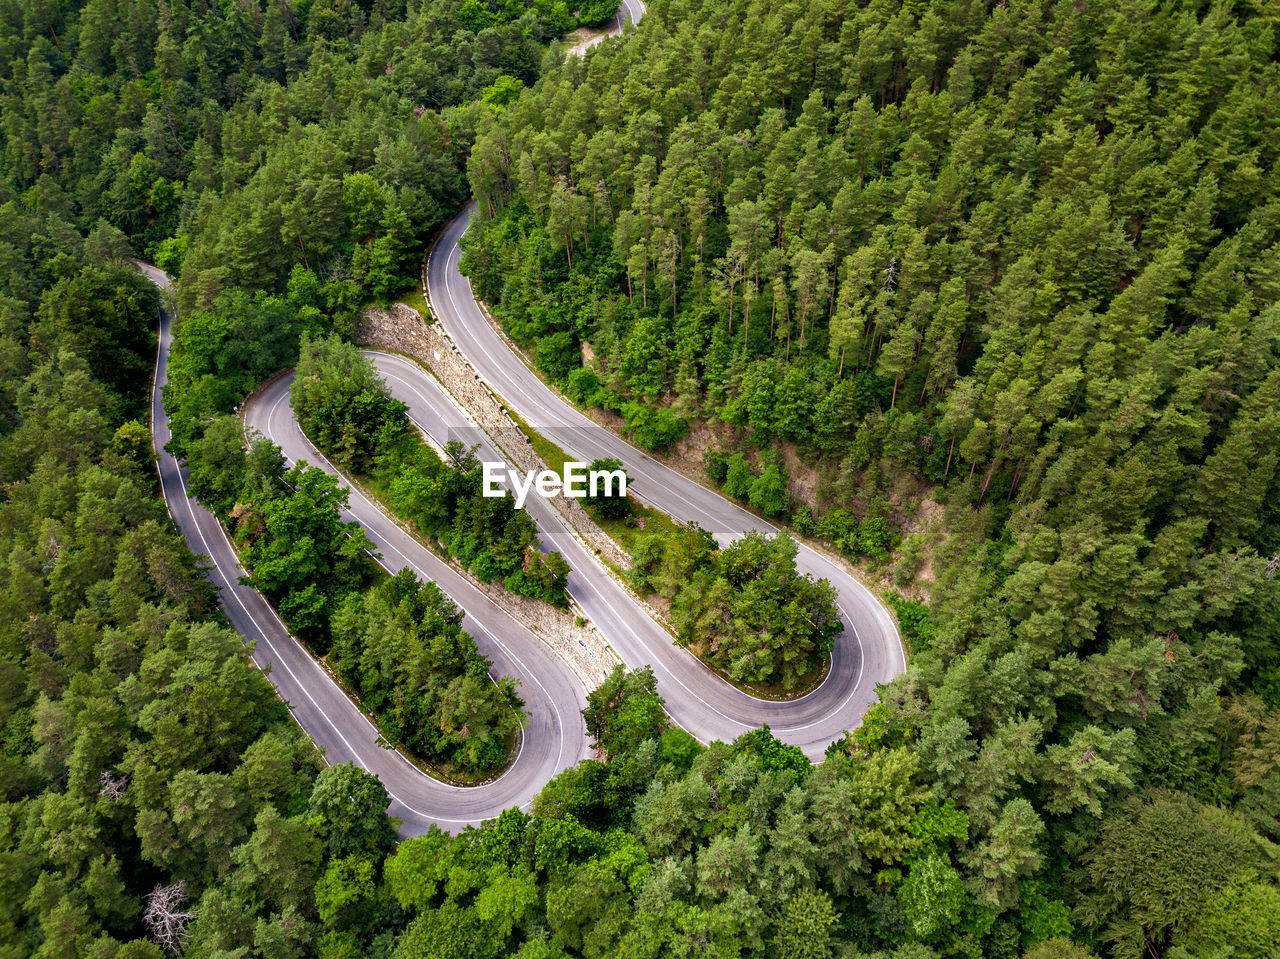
{"points": [[868, 653], [699, 700], [554, 738], [870, 650]]}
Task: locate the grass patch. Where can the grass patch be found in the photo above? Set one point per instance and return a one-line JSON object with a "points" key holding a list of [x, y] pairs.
{"points": [[554, 455], [644, 521], [413, 297]]}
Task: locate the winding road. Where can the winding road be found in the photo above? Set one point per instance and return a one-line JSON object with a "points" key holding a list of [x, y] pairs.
{"points": [[868, 653], [699, 700], [631, 10], [554, 738]]}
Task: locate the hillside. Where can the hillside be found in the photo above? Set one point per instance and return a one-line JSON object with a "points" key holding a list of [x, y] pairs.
{"points": [[1018, 257], [1016, 260]]}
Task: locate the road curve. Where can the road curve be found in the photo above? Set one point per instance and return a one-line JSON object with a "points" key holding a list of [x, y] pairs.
{"points": [[631, 10], [697, 699], [554, 739], [868, 653]]}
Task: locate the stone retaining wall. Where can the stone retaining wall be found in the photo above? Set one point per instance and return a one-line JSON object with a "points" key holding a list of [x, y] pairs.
{"points": [[581, 646], [401, 329]]}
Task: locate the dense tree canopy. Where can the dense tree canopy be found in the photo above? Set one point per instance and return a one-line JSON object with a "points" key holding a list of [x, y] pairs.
{"points": [[343, 405], [398, 644], [745, 608], [1025, 251], [222, 353], [139, 747], [1017, 259], [154, 787], [402, 648], [624, 710]]}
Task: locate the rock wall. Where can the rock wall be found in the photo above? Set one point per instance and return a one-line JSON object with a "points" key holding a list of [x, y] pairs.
{"points": [[569, 634], [401, 329]]}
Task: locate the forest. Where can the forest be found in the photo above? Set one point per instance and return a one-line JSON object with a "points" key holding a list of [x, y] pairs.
{"points": [[1009, 264], [1012, 265], [156, 793]]}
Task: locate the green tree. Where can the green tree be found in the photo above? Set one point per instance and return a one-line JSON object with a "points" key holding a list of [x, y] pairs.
{"points": [[343, 404], [607, 501], [624, 710], [1244, 915], [343, 891], [348, 807], [932, 897], [1080, 773], [803, 929], [1157, 865], [768, 492], [106, 314]]}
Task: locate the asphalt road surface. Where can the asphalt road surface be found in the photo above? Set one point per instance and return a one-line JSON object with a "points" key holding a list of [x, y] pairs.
{"points": [[868, 653], [554, 738], [699, 700]]}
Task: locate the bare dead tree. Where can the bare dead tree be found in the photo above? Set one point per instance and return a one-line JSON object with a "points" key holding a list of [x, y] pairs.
{"points": [[112, 787], [891, 275], [164, 917]]}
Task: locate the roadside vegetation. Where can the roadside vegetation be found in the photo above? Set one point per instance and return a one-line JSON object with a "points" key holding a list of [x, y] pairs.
{"points": [[155, 795], [347, 410], [414, 299], [626, 519], [402, 649], [744, 609], [397, 644], [1018, 256], [625, 710], [153, 787]]}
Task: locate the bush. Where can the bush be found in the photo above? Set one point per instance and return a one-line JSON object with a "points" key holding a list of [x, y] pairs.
{"points": [[738, 477], [615, 504], [583, 387], [768, 492], [875, 537], [625, 710], [715, 464], [646, 562], [557, 355], [914, 622], [653, 428]]}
